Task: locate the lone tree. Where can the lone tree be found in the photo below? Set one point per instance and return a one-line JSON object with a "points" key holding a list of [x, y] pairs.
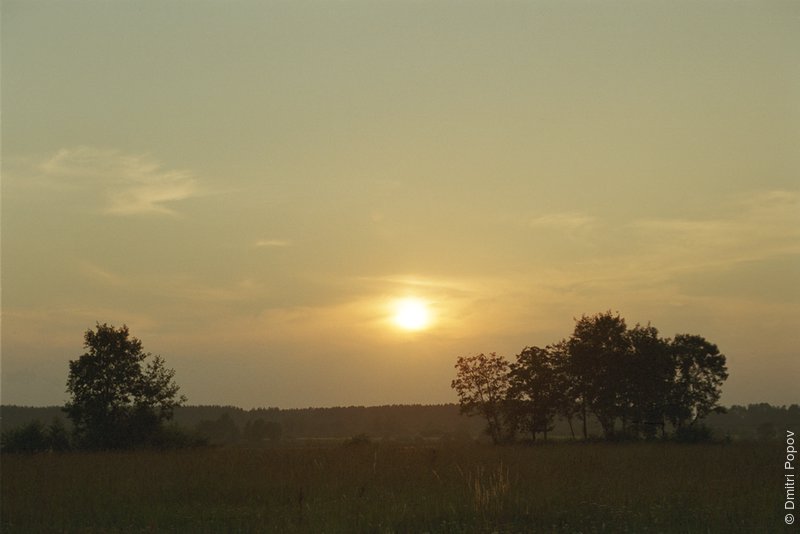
{"points": [[118, 399]]}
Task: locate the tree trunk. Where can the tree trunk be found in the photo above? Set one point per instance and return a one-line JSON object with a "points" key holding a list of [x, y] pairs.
{"points": [[583, 416], [571, 429]]}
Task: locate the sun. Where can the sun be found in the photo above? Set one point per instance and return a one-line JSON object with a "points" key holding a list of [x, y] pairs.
{"points": [[411, 314]]}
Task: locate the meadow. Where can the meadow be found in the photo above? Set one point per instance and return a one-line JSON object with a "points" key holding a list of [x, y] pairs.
{"points": [[383, 488]]}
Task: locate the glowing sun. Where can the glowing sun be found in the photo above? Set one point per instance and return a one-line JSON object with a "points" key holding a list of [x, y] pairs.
{"points": [[411, 314]]}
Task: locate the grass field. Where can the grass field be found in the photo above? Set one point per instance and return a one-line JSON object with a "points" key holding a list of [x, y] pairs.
{"points": [[568, 487]]}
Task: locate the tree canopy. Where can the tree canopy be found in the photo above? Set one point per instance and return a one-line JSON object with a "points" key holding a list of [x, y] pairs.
{"points": [[120, 395], [633, 381], [482, 387]]}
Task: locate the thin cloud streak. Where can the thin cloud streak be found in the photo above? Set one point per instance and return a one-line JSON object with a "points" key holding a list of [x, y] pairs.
{"points": [[269, 243], [566, 221], [132, 184], [764, 226], [95, 273]]}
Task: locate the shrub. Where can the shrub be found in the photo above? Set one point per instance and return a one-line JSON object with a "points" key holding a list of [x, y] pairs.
{"points": [[58, 436], [693, 434], [174, 437], [28, 438]]}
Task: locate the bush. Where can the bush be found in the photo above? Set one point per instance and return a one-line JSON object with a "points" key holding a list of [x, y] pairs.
{"points": [[693, 434], [58, 436], [259, 430], [767, 431], [223, 431], [174, 437], [28, 438]]}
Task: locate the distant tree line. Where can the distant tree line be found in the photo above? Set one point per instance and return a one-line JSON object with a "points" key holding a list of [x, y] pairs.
{"points": [[231, 425], [760, 421], [407, 423], [225, 431], [22, 429], [632, 381]]}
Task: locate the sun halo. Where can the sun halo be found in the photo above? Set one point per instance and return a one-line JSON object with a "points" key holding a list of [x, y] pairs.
{"points": [[411, 314]]}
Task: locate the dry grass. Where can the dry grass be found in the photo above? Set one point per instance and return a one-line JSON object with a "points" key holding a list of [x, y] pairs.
{"points": [[381, 488]]}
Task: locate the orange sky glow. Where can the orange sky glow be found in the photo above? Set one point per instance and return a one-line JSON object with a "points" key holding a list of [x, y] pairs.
{"points": [[319, 204]]}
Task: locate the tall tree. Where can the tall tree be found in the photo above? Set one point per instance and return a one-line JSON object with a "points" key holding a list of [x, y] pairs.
{"points": [[700, 371], [649, 380], [599, 350], [567, 399], [538, 387], [482, 385], [118, 399]]}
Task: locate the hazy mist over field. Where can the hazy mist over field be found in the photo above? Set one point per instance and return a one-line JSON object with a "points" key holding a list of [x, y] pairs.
{"points": [[316, 203]]}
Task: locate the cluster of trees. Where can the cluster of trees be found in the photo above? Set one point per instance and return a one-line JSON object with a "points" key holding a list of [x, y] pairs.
{"points": [[631, 380]]}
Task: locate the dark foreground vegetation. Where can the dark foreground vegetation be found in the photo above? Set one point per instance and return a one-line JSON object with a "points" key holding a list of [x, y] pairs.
{"points": [[369, 487]]}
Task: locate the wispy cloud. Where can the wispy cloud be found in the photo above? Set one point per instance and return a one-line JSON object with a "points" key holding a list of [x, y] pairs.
{"points": [[572, 225], [644, 264], [266, 243], [570, 221], [95, 273], [130, 184], [758, 227]]}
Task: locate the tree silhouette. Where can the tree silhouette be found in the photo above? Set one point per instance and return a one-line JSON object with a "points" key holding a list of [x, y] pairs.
{"points": [[482, 385], [650, 379], [606, 370], [538, 388], [598, 352], [700, 372], [118, 399]]}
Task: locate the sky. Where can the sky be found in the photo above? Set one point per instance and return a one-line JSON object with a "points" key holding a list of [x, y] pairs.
{"points": [[253, 187]]}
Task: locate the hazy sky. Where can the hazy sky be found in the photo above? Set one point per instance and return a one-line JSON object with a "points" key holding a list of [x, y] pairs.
{"points": [[250, 186]]}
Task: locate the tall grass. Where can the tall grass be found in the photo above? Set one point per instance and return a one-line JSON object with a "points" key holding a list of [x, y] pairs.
{"points": [[382, 488]]}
